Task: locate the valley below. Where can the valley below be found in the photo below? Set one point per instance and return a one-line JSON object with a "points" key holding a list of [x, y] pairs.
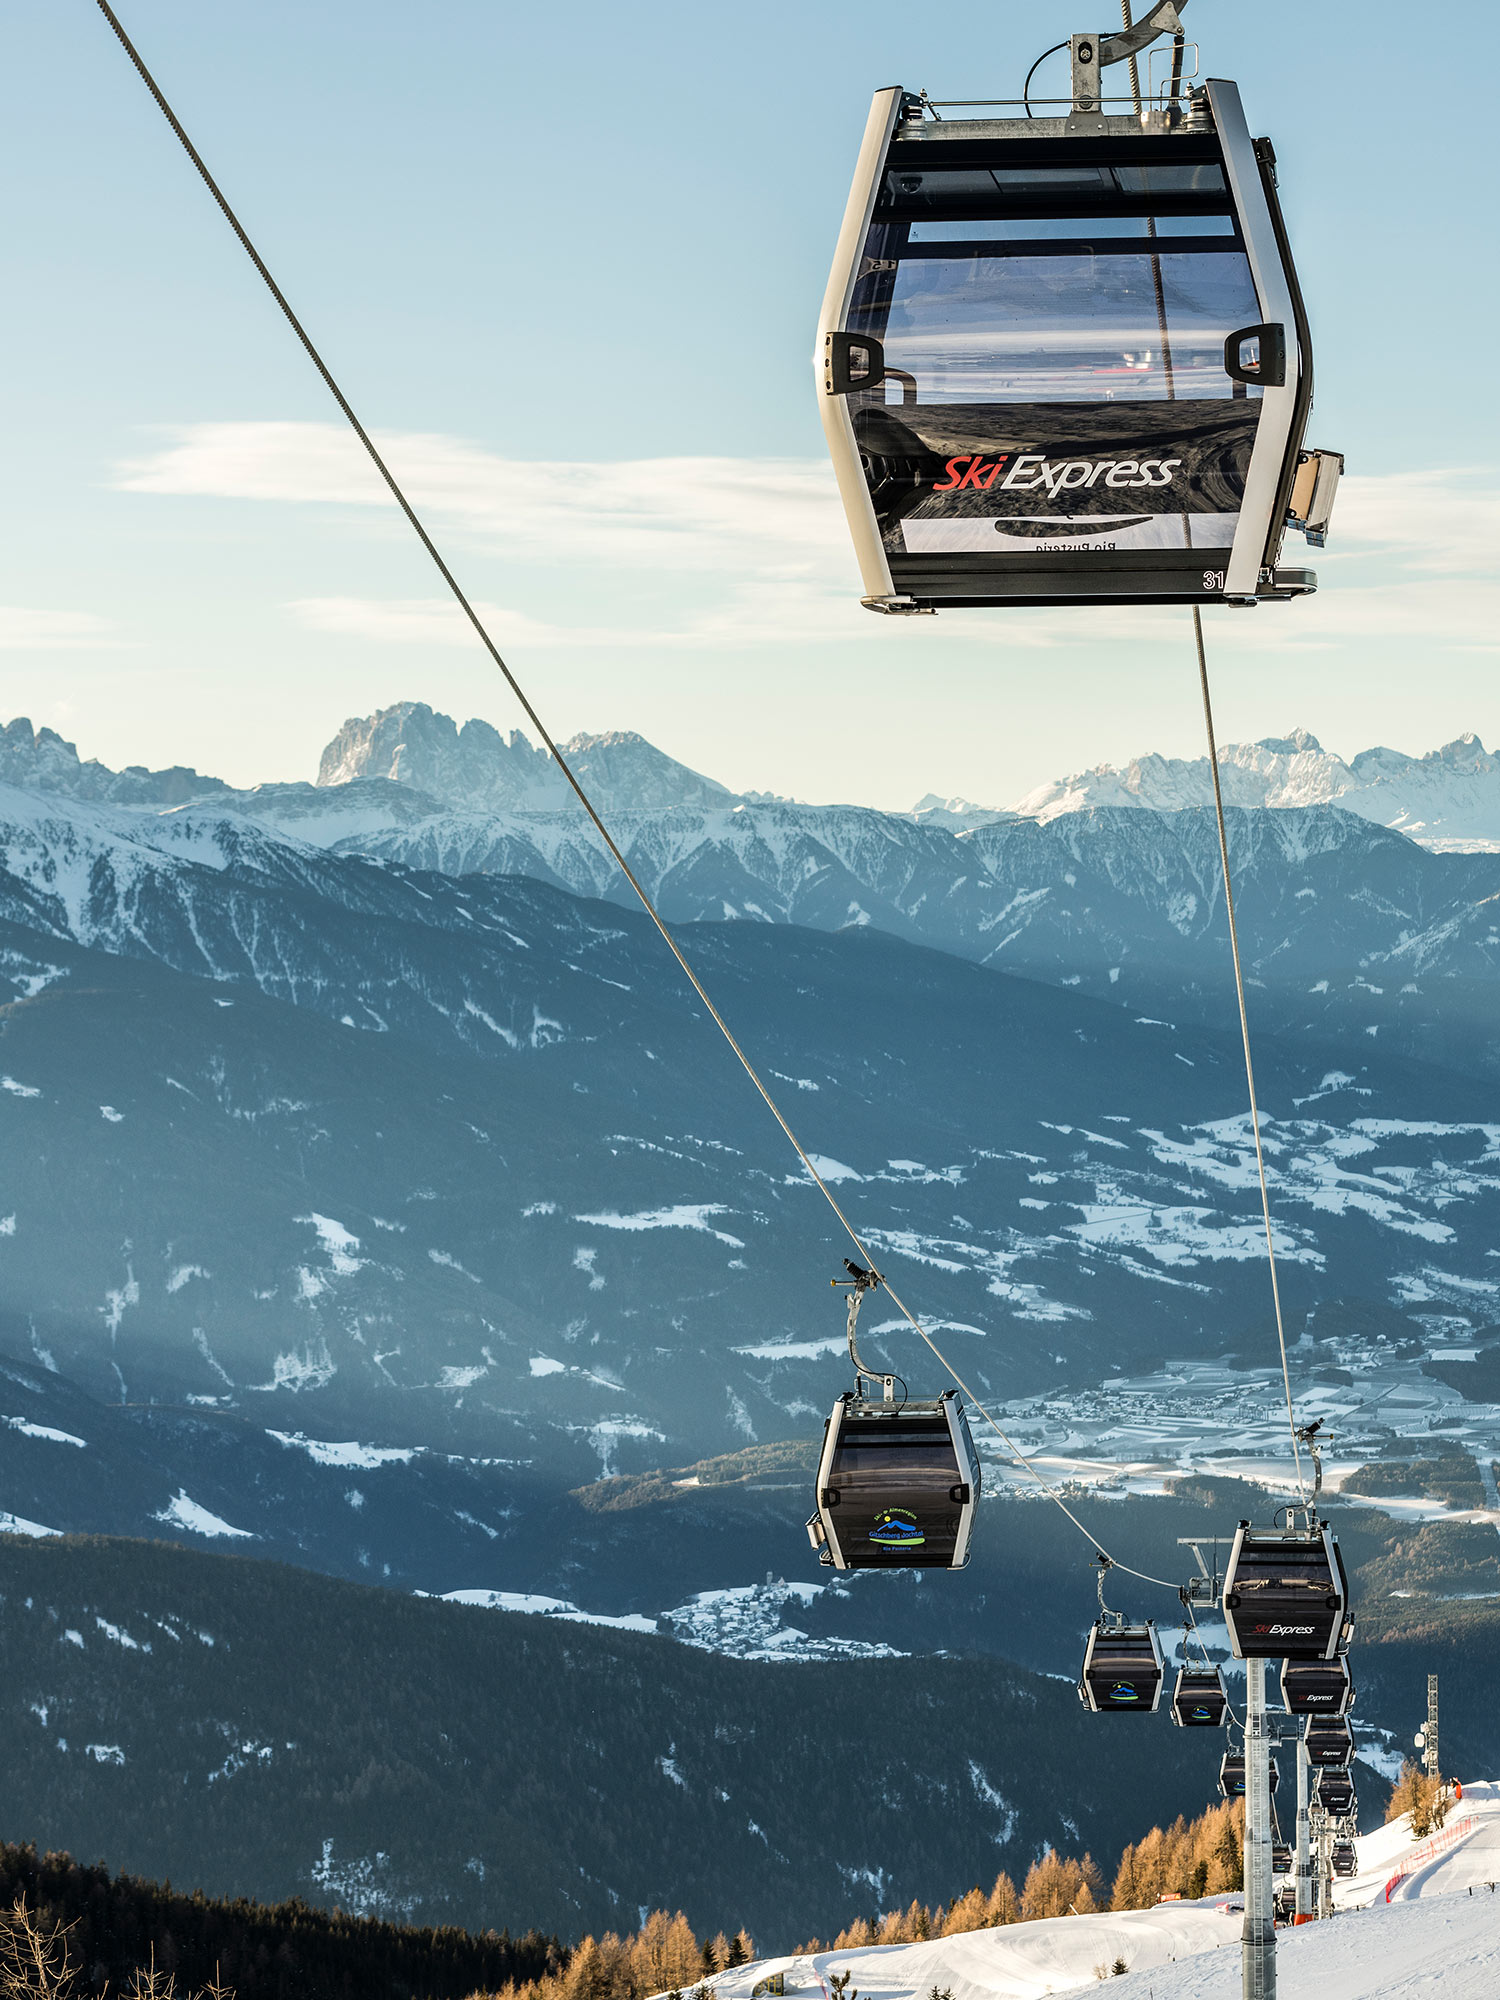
{"points": [[401, 1286]]}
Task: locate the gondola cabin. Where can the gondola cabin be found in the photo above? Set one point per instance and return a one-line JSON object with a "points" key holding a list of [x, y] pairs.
{"points": [[897, 1485], [1232, 1774], [1334, 1792], [1285, 1594], [1281, 1858], [1198, 1699], [1345, 1859], [1066, 360], [1317, 1687], [1330, 1744], [1122, 1669]]}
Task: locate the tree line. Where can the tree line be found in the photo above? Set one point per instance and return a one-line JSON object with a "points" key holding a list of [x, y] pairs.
{"points": [[663, 1956], [1189, 1858], [118, 1925]]}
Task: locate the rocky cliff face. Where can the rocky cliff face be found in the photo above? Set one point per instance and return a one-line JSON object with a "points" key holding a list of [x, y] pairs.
{"points": [[40, 760], [475, 768]]}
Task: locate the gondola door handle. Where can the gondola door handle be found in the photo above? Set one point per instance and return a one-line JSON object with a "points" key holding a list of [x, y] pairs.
{"points": [[1257, 354], [851, 361]]}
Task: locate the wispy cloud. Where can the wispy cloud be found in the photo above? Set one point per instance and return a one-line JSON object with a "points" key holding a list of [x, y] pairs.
{"points": [[24, 629], [1443, 520], [768, 515]]}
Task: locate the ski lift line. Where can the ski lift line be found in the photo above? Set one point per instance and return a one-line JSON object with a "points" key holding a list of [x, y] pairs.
{"points": [[1239, 988], [416, 524]]}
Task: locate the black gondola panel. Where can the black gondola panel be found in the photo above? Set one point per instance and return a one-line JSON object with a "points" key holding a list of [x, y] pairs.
{"points": [[1198, 1699], [1285, 1594], [1317, 1687], [1344, 1858], [1100, 363], [1281, 1858], [1330, 1745], [1334, 1792], [897, 1486], [1122, 1670]]}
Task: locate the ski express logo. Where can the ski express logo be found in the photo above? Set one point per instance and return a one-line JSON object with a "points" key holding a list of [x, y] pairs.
{"points": [[896, 1528], [1122, 1694], [1031, 471]]}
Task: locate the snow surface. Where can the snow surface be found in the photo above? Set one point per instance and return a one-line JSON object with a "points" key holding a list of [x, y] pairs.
{"points": [[1472, 1862], [544, 1607], [185, 1513], [366, 1457], [14, 1524], [1440, 1941]]}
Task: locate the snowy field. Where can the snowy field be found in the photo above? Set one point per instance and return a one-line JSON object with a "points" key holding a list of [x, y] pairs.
{"points": [[1136, 1434], [1439, 1936]]}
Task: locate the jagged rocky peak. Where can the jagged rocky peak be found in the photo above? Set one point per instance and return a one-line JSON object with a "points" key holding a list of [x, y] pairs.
{"points": [[477, 768], [39, 760]]}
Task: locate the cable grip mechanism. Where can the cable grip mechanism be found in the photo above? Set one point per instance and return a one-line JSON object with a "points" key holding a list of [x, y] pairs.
{"points": [[856, 1285]]}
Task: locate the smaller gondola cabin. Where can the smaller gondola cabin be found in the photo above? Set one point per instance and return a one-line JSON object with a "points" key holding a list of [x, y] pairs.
{"points": [[1232, 1774], [1334, 1792], [1317, 1687], [1286, 1595], [897, 1485], [1281, 1858], [1198, 1699], [1345, 1859], [1122, 1669], [1330, 1744]]}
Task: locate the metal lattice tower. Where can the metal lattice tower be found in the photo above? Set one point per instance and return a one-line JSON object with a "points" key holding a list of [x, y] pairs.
{"points": [[1430, 1734]]}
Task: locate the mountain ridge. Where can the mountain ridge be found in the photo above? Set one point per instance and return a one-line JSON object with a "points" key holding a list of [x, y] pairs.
{"points": [[1448, 798]]}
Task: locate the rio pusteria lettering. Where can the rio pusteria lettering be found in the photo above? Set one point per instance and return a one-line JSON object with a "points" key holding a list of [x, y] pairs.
{"points": [[1030, 471]]}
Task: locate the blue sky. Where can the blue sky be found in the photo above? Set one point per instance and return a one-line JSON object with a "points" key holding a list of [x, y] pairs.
{"points": [[567, 262]]}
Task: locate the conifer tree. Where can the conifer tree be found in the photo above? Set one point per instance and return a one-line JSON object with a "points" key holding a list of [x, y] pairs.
{"points": [[1003, 1906]]}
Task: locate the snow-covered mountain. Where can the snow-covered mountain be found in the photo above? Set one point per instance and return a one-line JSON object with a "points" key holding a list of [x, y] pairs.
{"points": [[534, 1146], [408, 762], [1348, 926], [1449, 798], [40, 760]]}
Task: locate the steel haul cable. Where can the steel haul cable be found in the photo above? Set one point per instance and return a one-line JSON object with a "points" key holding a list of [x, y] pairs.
{"points": [[562, 764], [1239, 987]]}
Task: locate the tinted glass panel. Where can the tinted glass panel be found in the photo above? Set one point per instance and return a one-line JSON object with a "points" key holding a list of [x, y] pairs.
{"points": [[1047, 228], [1087, 326]]}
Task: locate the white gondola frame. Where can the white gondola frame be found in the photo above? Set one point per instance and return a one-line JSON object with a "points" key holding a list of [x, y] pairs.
{"points": [[822, 1527], [1096, 1632]]}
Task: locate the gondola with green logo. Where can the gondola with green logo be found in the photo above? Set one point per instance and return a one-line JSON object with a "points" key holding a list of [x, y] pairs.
{"points": [[898, 1480]]}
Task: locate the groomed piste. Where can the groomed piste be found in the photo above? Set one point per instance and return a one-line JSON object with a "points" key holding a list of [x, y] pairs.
{"points": [[1439, 1934]]}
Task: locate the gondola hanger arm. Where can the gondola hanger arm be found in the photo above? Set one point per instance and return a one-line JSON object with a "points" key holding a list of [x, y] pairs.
{"points": [[1093, 53], [1165, 18]]}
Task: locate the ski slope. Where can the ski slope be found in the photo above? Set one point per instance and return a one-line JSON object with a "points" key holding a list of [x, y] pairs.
{"points": [[1472, 1861], [1439, 1936]]}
